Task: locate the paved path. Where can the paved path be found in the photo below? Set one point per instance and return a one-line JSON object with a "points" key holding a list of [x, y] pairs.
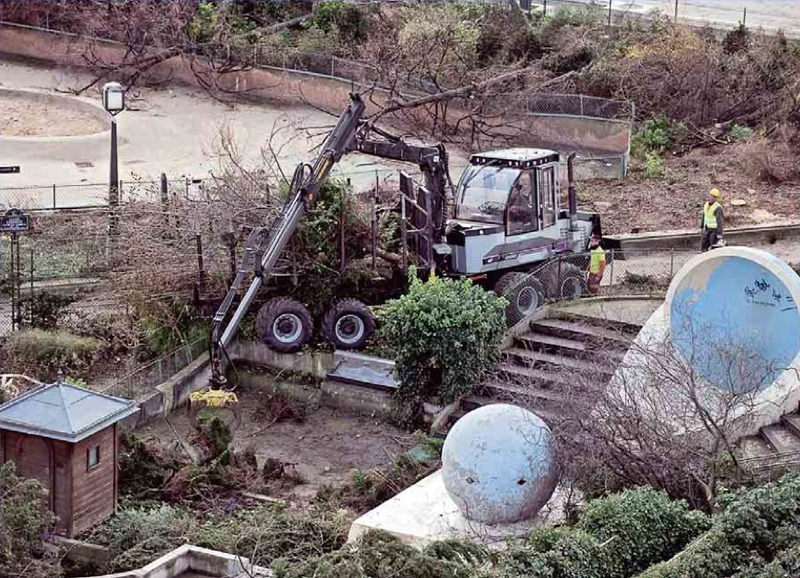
{"points": [[177, 131], [771, 15]]}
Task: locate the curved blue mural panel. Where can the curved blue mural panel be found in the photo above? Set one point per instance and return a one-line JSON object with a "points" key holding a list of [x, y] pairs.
{"points": [[735, 323]]}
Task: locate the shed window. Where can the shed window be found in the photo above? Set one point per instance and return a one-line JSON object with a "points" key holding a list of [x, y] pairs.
{"points": [[93, 457]]}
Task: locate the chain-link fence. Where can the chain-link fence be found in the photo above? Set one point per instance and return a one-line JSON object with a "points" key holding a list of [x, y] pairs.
{"points": [[83, 196], [144, 378]]}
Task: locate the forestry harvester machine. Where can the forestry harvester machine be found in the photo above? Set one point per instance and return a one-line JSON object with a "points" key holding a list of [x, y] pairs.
{"points": [[501, 222]]}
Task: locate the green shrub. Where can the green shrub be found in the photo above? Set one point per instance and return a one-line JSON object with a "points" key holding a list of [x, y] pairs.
{"points": [[345, 18], [25, 520], [42, 354], [554, 553], [617, 537], [137, 536], [657, 135], [740, 132], [654, 166], [640, 527], [758, 526], [381, 555], [266, 533], [444, 334]]}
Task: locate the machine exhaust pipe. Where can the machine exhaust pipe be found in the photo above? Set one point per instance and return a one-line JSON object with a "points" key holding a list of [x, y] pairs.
{"points": [[571, 194]]}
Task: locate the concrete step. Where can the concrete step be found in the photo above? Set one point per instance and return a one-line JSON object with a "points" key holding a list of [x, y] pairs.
{"points": [[571, 347], [473, 402], [631, 330], [565, 363], [507, 389], [531, 375], [581, 331], [780, 438], [792, 422], [754, 448]]}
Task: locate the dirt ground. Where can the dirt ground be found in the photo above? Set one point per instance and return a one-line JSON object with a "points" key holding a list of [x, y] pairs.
{"points": [[26, 117], [639, 204], [325, 448]]}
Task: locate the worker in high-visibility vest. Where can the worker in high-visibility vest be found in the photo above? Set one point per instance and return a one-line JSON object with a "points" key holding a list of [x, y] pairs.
{"points": [[712, 221], [597, 265]]}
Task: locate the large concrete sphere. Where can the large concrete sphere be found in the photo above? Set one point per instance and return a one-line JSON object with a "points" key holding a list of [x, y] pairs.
{"points": [[498, 464]]}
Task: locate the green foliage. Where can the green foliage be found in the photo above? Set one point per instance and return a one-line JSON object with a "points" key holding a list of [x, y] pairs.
{"points": [[640, 527], [657, 135], [740, 132], [46, 310], [219, 438], [444, 334], [201, 27], [267, 533], [759, 526], [137, 536], [43, 354], [380, 555], [346, 19], [617, 537], [654, 166], [505, 36], [167, 325], [25, 522], [143, 468]]}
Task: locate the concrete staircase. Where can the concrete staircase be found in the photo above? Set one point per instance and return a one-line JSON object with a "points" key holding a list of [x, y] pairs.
{"points": [[775, 448], [544, 367]]}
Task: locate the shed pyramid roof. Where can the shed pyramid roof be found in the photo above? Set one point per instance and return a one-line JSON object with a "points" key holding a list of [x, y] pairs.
{"points": [[64, 412]]}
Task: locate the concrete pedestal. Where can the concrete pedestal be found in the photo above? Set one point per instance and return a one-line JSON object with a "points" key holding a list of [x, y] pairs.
{"points": [[424, 513]]}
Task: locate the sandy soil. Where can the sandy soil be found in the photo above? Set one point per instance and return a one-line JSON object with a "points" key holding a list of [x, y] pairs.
{"points": [[326, 447], [25, 117]]}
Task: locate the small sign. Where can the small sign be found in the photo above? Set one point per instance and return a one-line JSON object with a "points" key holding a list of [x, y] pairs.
{"points": [[15, 221], [9, 170]]}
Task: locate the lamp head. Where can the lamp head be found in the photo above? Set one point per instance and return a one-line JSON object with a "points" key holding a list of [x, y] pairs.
{"points": [[113, 97]]}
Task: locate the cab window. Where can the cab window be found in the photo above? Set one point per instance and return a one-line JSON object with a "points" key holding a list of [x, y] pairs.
{"points": [[523, 215], [547, 193]]}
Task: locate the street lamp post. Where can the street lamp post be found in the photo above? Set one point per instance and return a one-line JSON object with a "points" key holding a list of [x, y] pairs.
{"points": [[114, 103]]}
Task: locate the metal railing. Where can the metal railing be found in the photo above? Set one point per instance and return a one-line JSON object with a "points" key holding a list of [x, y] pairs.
{"points": [[145, 377]]}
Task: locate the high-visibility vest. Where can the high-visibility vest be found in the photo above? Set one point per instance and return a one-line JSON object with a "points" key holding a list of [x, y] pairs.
{"points": [[710, 215], [598, 256]]}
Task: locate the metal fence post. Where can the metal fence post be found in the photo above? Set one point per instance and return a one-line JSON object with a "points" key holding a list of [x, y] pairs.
{"points": [[671, 262], [611, 277], [54, 195], [581, 99]]}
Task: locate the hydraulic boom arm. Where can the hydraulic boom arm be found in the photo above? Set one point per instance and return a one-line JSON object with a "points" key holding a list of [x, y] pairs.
{"points": [[265, 245]]}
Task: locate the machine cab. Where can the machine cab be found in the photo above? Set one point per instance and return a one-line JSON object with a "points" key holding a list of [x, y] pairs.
{"points": [[514, 188]]}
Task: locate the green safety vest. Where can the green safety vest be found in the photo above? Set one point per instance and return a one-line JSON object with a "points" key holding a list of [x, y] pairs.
{"points": [[710, 215], [598, 257]]}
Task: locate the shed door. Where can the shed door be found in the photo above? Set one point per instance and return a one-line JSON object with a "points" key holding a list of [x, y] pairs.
{"points": [[35, 461]]}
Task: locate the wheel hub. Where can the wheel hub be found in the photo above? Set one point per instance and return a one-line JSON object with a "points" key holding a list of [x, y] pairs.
{"points": [[527, 300], [287, 328], [349, 329]]}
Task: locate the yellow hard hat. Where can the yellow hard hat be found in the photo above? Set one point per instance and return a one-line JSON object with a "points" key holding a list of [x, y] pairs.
{"points": [[715, 193]]}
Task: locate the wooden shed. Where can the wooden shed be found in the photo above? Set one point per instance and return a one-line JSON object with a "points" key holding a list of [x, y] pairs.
{"points": [[67, 438]]}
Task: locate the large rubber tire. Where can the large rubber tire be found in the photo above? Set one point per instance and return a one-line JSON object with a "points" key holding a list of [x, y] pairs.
{"points": [[284, 324], [348, 324], [524, 294], [565, 281]]}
